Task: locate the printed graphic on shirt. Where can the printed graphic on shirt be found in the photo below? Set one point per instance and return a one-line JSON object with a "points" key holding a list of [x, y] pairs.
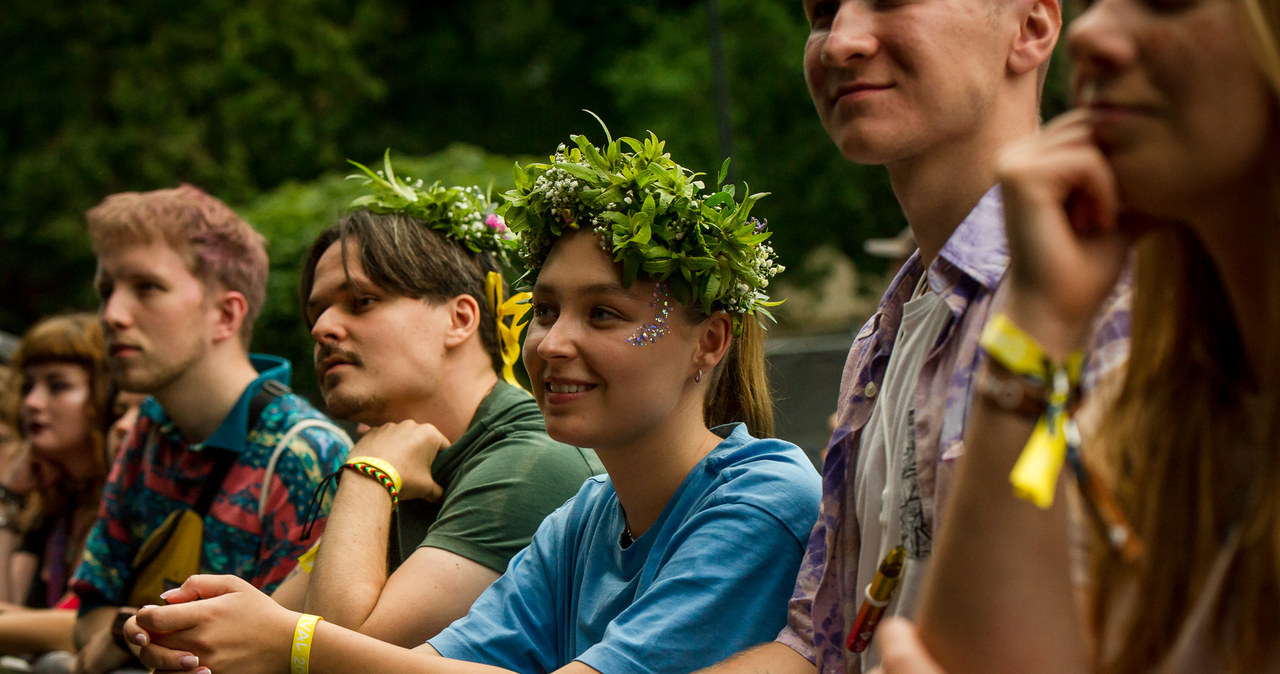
{"points": [[916, 537]]}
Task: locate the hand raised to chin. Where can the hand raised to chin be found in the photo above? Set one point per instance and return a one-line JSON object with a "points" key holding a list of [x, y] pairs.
{"points": [[411, 448]]}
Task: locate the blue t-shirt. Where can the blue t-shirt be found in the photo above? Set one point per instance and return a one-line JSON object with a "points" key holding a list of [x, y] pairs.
{"points": [[711, 577]]}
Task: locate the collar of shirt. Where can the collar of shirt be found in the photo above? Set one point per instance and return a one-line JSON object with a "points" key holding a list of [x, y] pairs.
{"points": [[231, 433], [975, 257]]}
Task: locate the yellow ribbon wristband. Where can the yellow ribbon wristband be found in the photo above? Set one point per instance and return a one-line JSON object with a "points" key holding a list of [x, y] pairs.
{"points": [[307, 561], [513, 308], [1035, 474], [300, 655], [381, 465], [1020, 353]]}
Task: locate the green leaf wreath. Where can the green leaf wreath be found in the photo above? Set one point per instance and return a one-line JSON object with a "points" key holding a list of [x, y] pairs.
{"points": [[650, 214], [463, 213]]}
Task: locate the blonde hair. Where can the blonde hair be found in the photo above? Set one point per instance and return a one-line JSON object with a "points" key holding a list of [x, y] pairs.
{"points": [[220, 248], [1194, 447], [739, 389]]}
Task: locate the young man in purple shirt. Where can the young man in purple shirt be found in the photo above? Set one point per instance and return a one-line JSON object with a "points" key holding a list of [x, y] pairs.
{"points": [[931, 89]]}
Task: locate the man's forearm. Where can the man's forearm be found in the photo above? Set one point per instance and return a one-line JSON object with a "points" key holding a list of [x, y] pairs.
{"points": [[37, 630], [99, 652], [351, 564], [93, 623]]}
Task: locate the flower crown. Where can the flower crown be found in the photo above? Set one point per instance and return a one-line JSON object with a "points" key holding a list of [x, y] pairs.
{"points": [[651, 217], [461, 213], [466, 215]]}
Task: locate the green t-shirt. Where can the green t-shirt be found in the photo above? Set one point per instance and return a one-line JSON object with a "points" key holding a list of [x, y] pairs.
{"points": [[500, 479]]}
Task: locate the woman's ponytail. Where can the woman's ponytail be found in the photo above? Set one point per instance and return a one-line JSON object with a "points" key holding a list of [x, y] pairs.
{"points": [[740, 388]]}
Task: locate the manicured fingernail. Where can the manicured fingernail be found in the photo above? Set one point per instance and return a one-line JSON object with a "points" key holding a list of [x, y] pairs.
{"points": [[188, 661], [203, 670], [141, 638], [151, 605], [166, 593]]}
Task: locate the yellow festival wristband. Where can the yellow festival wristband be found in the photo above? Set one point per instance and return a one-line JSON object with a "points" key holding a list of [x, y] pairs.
{"points": [[300, 655], [1035, 474]]}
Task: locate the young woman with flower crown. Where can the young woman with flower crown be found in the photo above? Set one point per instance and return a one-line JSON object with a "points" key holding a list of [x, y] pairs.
{"points": [[644, 344]]}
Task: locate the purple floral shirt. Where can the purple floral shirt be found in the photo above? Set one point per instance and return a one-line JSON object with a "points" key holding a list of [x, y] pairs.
{"points": [[967, 275]]}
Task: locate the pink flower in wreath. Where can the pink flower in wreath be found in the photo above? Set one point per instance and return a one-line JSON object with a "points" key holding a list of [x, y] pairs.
{"points": [[496, 222]]}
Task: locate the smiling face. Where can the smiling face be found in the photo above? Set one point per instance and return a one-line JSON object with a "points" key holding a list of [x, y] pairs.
{"points": [[156, 317], [603, 375], [378, 354], [56, 416], [1178, 104], [894, 79]]}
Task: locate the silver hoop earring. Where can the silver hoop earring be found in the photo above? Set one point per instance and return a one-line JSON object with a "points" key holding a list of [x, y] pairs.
{"points": [[698, 377]]}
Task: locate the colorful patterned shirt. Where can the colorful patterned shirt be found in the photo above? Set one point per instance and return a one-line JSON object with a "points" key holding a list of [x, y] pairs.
{"points": [[967, 275], [157, 472]]}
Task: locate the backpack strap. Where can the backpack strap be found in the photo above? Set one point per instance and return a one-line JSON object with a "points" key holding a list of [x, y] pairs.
{"points": [[284, 443], [271, 389], [213, 482]]}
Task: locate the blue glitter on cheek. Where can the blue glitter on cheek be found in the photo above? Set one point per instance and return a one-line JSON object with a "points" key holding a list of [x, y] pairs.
{"points": [[651, 332]]}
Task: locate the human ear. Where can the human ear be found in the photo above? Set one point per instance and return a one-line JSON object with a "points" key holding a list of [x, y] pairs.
{"points": [[715, 336], [464, 320], [229, 311], [1040, 23]]}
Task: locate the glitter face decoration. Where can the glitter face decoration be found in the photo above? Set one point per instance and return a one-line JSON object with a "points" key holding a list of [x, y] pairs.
{"points": [[654, 330]]}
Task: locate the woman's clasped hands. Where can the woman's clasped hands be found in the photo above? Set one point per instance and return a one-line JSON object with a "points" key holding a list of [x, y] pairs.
{"points": [[236, 627]]}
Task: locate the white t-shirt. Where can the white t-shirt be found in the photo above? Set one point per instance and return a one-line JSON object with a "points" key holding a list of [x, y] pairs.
{"points": [[887, 457]]}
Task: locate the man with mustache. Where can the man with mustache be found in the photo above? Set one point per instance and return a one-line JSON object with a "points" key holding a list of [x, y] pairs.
{"points": [[408, 344], [181, 280], [931, 89]]}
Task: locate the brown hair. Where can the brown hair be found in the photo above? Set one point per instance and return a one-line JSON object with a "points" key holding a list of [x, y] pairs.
{"points": [[1193, 456], [403, 255], [71, 338], [77, 339], [739, 388], [8, 397], [1192, 441], [219, 247]]}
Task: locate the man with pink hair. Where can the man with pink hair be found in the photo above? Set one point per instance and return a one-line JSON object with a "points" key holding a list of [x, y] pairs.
{"points": [[181, 280]]}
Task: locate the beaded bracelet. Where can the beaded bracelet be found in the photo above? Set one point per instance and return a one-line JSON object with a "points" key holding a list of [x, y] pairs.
{"points": [[380, 470], [300, 654]]}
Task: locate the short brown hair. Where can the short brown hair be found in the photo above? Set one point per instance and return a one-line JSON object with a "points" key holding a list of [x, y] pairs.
{"points": [[219, 247], [401, 254]]}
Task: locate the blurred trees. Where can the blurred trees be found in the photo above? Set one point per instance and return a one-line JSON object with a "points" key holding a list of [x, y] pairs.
{"points": [[255, 99]]}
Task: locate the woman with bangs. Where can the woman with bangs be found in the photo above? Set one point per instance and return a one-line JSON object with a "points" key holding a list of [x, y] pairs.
{"points": [[644, 345], [50, 490], [1169, 160]]}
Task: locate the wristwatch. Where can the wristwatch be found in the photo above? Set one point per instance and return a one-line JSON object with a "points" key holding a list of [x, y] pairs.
{"points": [[8, 517], [117, 627], [11, 497]]}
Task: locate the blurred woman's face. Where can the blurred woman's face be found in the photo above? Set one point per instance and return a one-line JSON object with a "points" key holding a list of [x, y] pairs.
{"points": [[55, 410], [1178, 103]]}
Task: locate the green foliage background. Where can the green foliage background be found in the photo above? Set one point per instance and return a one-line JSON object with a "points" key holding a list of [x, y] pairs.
{"points": [[260, 102]]}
